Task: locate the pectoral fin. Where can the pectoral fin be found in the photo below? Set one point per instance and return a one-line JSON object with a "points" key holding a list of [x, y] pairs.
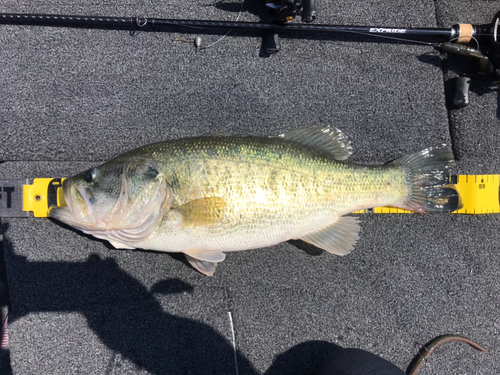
{"points": [[206, 268], [338, 238], [203, 211]]}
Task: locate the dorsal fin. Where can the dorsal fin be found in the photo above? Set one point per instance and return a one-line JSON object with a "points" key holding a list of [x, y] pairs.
{"points": [[331, 140], [220, 134]]}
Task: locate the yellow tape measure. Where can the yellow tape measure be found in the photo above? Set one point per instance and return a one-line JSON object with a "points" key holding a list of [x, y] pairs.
{"points": [[480, 194], [44, 193]]}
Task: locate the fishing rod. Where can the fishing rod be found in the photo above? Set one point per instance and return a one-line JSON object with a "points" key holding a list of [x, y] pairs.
{"points": [[285, 12], [478, 42]]}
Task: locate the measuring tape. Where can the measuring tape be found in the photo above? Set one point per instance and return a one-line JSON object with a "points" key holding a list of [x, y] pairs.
{"points": [[19, 198], [480, 194]]}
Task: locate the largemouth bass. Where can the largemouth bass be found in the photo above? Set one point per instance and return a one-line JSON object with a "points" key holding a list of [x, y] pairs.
{"points": [[208, 195]]}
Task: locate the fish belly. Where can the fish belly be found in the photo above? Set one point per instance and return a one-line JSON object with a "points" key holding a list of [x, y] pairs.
{"points": [[243, 235]]}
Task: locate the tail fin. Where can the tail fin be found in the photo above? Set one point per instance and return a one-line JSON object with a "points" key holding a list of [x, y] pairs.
{"points": [[426, 175]]}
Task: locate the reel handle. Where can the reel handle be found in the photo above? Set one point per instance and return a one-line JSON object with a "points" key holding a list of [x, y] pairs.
{"points": [[309, 12], [494, 54]]}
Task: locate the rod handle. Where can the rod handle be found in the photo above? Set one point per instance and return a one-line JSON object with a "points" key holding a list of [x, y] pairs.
{"points": [[461, 97]]}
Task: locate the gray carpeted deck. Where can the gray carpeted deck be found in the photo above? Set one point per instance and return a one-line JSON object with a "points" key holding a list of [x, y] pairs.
{"points": [[72, 98]]}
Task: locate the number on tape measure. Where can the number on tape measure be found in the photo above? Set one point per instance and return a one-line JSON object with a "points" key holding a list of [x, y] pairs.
{"points": [[479, 194]]}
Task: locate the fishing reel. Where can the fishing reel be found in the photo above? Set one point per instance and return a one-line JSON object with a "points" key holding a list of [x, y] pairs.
{"points": [[285, 11], [487, 56]]}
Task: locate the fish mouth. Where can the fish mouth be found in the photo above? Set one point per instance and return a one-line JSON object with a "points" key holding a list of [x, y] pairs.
{"points": [[78, 207]]}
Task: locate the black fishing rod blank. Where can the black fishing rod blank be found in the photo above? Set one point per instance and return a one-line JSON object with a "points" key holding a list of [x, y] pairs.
{"points": [[283, 11], [456, 32]]}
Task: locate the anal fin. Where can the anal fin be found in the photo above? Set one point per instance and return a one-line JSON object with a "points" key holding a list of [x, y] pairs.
{"points": [[338, 238]]}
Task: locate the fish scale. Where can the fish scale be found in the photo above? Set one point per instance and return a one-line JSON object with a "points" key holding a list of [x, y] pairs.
{"points": [[275, 189]]}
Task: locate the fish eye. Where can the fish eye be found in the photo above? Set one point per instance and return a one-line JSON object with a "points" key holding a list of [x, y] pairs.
{"points": [[151, 172], [89, 177]]}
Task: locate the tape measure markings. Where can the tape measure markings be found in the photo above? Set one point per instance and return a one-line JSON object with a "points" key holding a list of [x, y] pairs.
{"points": [[479, 195]]}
